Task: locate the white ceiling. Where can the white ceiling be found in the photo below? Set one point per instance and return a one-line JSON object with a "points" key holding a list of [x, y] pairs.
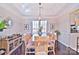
{"points": [[46, 9], [32, 9]]}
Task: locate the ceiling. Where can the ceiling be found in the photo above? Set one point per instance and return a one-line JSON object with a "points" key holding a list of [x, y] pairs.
{"points": [[33, 10]]}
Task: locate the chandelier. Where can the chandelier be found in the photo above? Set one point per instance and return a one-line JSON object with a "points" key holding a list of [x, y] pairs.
{"points": [[40, 27], [40, 7]]}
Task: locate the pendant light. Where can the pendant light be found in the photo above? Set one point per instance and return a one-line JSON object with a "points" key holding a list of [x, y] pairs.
{"points": [[40, 27], [40, 6]]}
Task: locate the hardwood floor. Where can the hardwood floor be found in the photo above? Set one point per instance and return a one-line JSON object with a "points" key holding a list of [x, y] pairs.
{"points": [[63, 50], [60, 50]]}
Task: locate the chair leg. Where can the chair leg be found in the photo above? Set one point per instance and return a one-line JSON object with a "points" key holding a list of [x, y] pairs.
{"points": [[54, 52], [54, 49]]}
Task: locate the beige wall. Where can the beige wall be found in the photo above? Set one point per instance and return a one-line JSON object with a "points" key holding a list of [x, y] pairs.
{"points": [[28, 20], [17, 23], [64, 28], [64, 22]]}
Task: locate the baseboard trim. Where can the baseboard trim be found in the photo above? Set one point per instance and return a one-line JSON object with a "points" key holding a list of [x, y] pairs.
{"points": [[68, 48]]}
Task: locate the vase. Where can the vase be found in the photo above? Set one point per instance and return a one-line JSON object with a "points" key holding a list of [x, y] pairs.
{"points": [[39, 33]]}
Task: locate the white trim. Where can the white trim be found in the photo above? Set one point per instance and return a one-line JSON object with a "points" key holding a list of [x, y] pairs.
{"points": [[67, 45], [64, 44], [73, 48]]}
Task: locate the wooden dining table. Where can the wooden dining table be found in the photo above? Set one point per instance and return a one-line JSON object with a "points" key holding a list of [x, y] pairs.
{"points": [[42, 43]]}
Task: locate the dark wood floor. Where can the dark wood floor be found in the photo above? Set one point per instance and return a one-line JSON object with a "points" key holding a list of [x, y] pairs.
{"points": [[63, 50]]}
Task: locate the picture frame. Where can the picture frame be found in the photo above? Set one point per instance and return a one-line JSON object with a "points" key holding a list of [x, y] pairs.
{"points": [[27, 26], [51, 26]]}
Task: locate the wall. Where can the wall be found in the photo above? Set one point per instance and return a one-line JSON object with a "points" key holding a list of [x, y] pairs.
{"points": [[28, 20], [64, 22], [64, 28], [16, 28]]}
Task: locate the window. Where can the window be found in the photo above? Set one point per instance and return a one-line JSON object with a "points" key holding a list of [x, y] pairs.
{"points": [[44, 25], [35, 28]]}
